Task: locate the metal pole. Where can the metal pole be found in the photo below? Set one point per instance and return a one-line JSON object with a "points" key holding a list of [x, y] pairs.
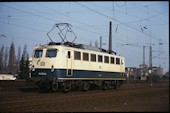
{"points": [[150, 62], [110, 37], [150, 56], [100, 42], [144, 60], [143, 55]]}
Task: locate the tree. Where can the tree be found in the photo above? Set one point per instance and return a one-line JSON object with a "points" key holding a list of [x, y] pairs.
{"points": [[11, 63], [24, 54], [6, 57], [18, 59], [27, 70], [1, 58], [24, 68], [90, 43], [96, 43], [19, 54]]}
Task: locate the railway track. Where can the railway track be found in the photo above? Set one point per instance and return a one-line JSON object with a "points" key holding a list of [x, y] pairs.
{"points": [[27, 91], [25, 104], [33, 92], [24, 98]]}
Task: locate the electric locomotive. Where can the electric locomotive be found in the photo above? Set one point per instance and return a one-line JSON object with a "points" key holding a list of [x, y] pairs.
{"points": [[66, 65]]}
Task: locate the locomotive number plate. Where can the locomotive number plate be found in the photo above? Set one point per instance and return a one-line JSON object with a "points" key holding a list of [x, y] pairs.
{"points": [[41, 73]]}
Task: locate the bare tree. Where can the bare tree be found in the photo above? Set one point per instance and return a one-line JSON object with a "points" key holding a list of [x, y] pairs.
{"points": [[11, 63], [24, 54], [90, 43], [18, 59], [19, 54], [1, 58], [96, 43], [6, 57]]}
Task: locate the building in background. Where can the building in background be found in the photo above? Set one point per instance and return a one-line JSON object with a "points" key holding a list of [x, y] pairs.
{"points": [[141, 73], [157, 71]]}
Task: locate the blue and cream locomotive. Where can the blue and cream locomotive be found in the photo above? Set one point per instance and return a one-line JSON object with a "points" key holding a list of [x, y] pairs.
{"points": [[63, 66]]}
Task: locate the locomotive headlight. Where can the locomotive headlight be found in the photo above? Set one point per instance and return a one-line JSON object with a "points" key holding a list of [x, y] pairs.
{"points": [[33, 69], [52, 68]]}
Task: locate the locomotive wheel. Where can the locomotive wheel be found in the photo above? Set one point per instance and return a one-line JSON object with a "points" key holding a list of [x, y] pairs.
{"points": [[86, 86], [54, 87], [105, 85], [116, 85], [66, 86]]}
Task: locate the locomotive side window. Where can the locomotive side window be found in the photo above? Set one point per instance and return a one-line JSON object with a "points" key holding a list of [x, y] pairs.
{"points": [[38, 53], [121, 61], [93, 57], [51, 53], [77, 55], [117, 60], [68, 54], [100, 58], [85, 56], [112, 60], [106, 59]]}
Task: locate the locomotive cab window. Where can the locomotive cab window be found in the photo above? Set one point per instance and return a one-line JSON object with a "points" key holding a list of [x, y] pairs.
{"points": [[117, 60], [51, 53], [38, 53], [121, 61], [69, 54]]}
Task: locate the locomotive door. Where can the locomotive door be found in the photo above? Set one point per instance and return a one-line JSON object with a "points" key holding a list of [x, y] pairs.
{"points": [[69, 69]]}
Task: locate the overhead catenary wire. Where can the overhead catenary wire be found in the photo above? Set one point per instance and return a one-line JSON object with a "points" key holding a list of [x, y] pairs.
{"points": [[77, 21], [114, 19], [28, 12], [42, 16], [80, 28]]}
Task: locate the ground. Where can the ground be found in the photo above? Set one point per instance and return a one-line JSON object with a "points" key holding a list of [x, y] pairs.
{"points": [[130, 97]]}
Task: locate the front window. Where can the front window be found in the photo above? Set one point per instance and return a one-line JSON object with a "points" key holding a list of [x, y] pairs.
{"points": [[117, 60], [38, 53], [51, 53]]}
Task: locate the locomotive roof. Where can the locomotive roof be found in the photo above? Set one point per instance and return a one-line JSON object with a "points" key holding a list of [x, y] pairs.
{"points": [[82, 46], [79, 46]]}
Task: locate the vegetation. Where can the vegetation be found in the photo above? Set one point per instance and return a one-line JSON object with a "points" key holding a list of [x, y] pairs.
{"points": [[165, 76], [24, 68], [12, 64], [153, 78]]}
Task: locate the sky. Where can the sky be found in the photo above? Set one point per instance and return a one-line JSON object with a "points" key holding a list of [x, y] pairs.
{"points": [[134, 25]]}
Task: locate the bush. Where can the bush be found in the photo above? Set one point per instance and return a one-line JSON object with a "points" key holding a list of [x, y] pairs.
{"points": [[153, 78]]}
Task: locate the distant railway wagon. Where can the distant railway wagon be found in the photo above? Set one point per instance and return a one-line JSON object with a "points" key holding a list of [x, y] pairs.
{"points": [[63, 66], [7, 77]]}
